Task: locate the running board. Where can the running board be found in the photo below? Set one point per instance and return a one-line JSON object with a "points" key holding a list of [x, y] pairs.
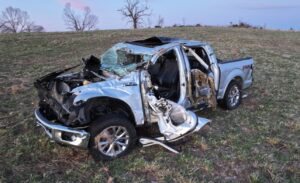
{"points": [[146, 142]]}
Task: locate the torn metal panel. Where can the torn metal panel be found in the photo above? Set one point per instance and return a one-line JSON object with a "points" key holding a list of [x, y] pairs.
{"points": [[173, 120], [146, 142]]}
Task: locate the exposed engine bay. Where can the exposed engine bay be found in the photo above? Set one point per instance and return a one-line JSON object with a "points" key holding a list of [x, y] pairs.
{"points": [[54, 91]]}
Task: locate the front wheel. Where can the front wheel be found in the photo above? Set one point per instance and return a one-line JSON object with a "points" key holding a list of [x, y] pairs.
{"points": [[233, 96], [112, 136]]}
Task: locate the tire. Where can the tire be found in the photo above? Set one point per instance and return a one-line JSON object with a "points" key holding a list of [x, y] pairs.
{"points": [[233, 95], [106, 130]]}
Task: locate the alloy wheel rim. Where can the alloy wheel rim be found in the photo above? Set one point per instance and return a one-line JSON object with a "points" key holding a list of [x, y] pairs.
{"points": [[113, 140], [234, 96]]}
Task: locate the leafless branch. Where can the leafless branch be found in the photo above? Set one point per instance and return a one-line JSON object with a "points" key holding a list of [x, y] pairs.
{"points": [[134, 11], [76, 22]]}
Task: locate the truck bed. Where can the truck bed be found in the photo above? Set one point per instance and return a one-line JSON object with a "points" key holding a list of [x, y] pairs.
{"points": [[235, 69], [236, 60]]}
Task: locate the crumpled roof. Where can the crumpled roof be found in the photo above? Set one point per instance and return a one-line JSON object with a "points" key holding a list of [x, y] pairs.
{"points": [[154, 45], [153, 42]]}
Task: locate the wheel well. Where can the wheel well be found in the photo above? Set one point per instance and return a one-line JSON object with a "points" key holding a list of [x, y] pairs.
{"points": [[101, 106], [239, 80]]}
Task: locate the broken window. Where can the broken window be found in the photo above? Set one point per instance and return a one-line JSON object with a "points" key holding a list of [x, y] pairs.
{"points": [[122, 60]]}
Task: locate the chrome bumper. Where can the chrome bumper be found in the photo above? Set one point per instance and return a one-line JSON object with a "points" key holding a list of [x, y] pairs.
{"points": [[79, 138]]}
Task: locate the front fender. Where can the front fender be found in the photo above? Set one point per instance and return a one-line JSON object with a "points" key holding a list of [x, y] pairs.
{"points": [[129, 94]]}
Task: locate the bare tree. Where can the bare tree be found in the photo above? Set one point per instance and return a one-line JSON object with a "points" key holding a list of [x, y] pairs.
{"points": [[160, 21], [78, 23], [134, 10], [14, 20]]}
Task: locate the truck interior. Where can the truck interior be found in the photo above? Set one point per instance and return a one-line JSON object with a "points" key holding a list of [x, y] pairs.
{"points": [[194, 63], [165, 75]]}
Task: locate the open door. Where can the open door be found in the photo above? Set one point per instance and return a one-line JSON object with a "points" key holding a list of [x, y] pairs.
{"points": [[202, 86]]}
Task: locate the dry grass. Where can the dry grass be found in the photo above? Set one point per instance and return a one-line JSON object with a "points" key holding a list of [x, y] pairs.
{"points": [[259, 142]]}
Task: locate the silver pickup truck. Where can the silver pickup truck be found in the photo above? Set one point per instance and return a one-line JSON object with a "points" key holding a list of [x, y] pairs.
{"points": [[158, 81]]}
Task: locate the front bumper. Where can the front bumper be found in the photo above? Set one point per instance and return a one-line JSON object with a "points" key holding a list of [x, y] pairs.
{"points": [[58, 133]]}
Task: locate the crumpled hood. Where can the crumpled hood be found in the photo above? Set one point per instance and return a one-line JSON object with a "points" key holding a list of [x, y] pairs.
{"points": [[110, 87]]}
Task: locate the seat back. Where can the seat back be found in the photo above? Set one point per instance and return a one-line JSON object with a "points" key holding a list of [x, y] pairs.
{"points": [[165, 74], [168, 75]]}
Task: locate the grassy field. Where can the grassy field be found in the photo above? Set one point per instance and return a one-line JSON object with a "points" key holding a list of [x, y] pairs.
{"points": [[258, 142]]}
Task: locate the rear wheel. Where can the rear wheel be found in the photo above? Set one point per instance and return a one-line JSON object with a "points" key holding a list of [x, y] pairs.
{"points": [[112, 136], [233, 95]]}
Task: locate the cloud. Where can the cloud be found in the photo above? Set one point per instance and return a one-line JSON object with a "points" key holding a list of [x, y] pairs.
{"points": [[77, 4]]}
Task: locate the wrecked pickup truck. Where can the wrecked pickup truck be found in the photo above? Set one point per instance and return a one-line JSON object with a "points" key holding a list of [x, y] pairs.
{"points": [[158, 81]]}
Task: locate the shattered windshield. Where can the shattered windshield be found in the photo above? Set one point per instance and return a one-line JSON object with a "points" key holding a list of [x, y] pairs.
{"points": [[123, 58]]}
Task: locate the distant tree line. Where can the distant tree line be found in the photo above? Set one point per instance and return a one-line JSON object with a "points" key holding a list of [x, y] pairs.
{"points": [[242, 24]]}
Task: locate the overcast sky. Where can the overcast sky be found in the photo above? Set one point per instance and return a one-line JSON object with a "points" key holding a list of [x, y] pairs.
{"points": [[274, 14]]}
